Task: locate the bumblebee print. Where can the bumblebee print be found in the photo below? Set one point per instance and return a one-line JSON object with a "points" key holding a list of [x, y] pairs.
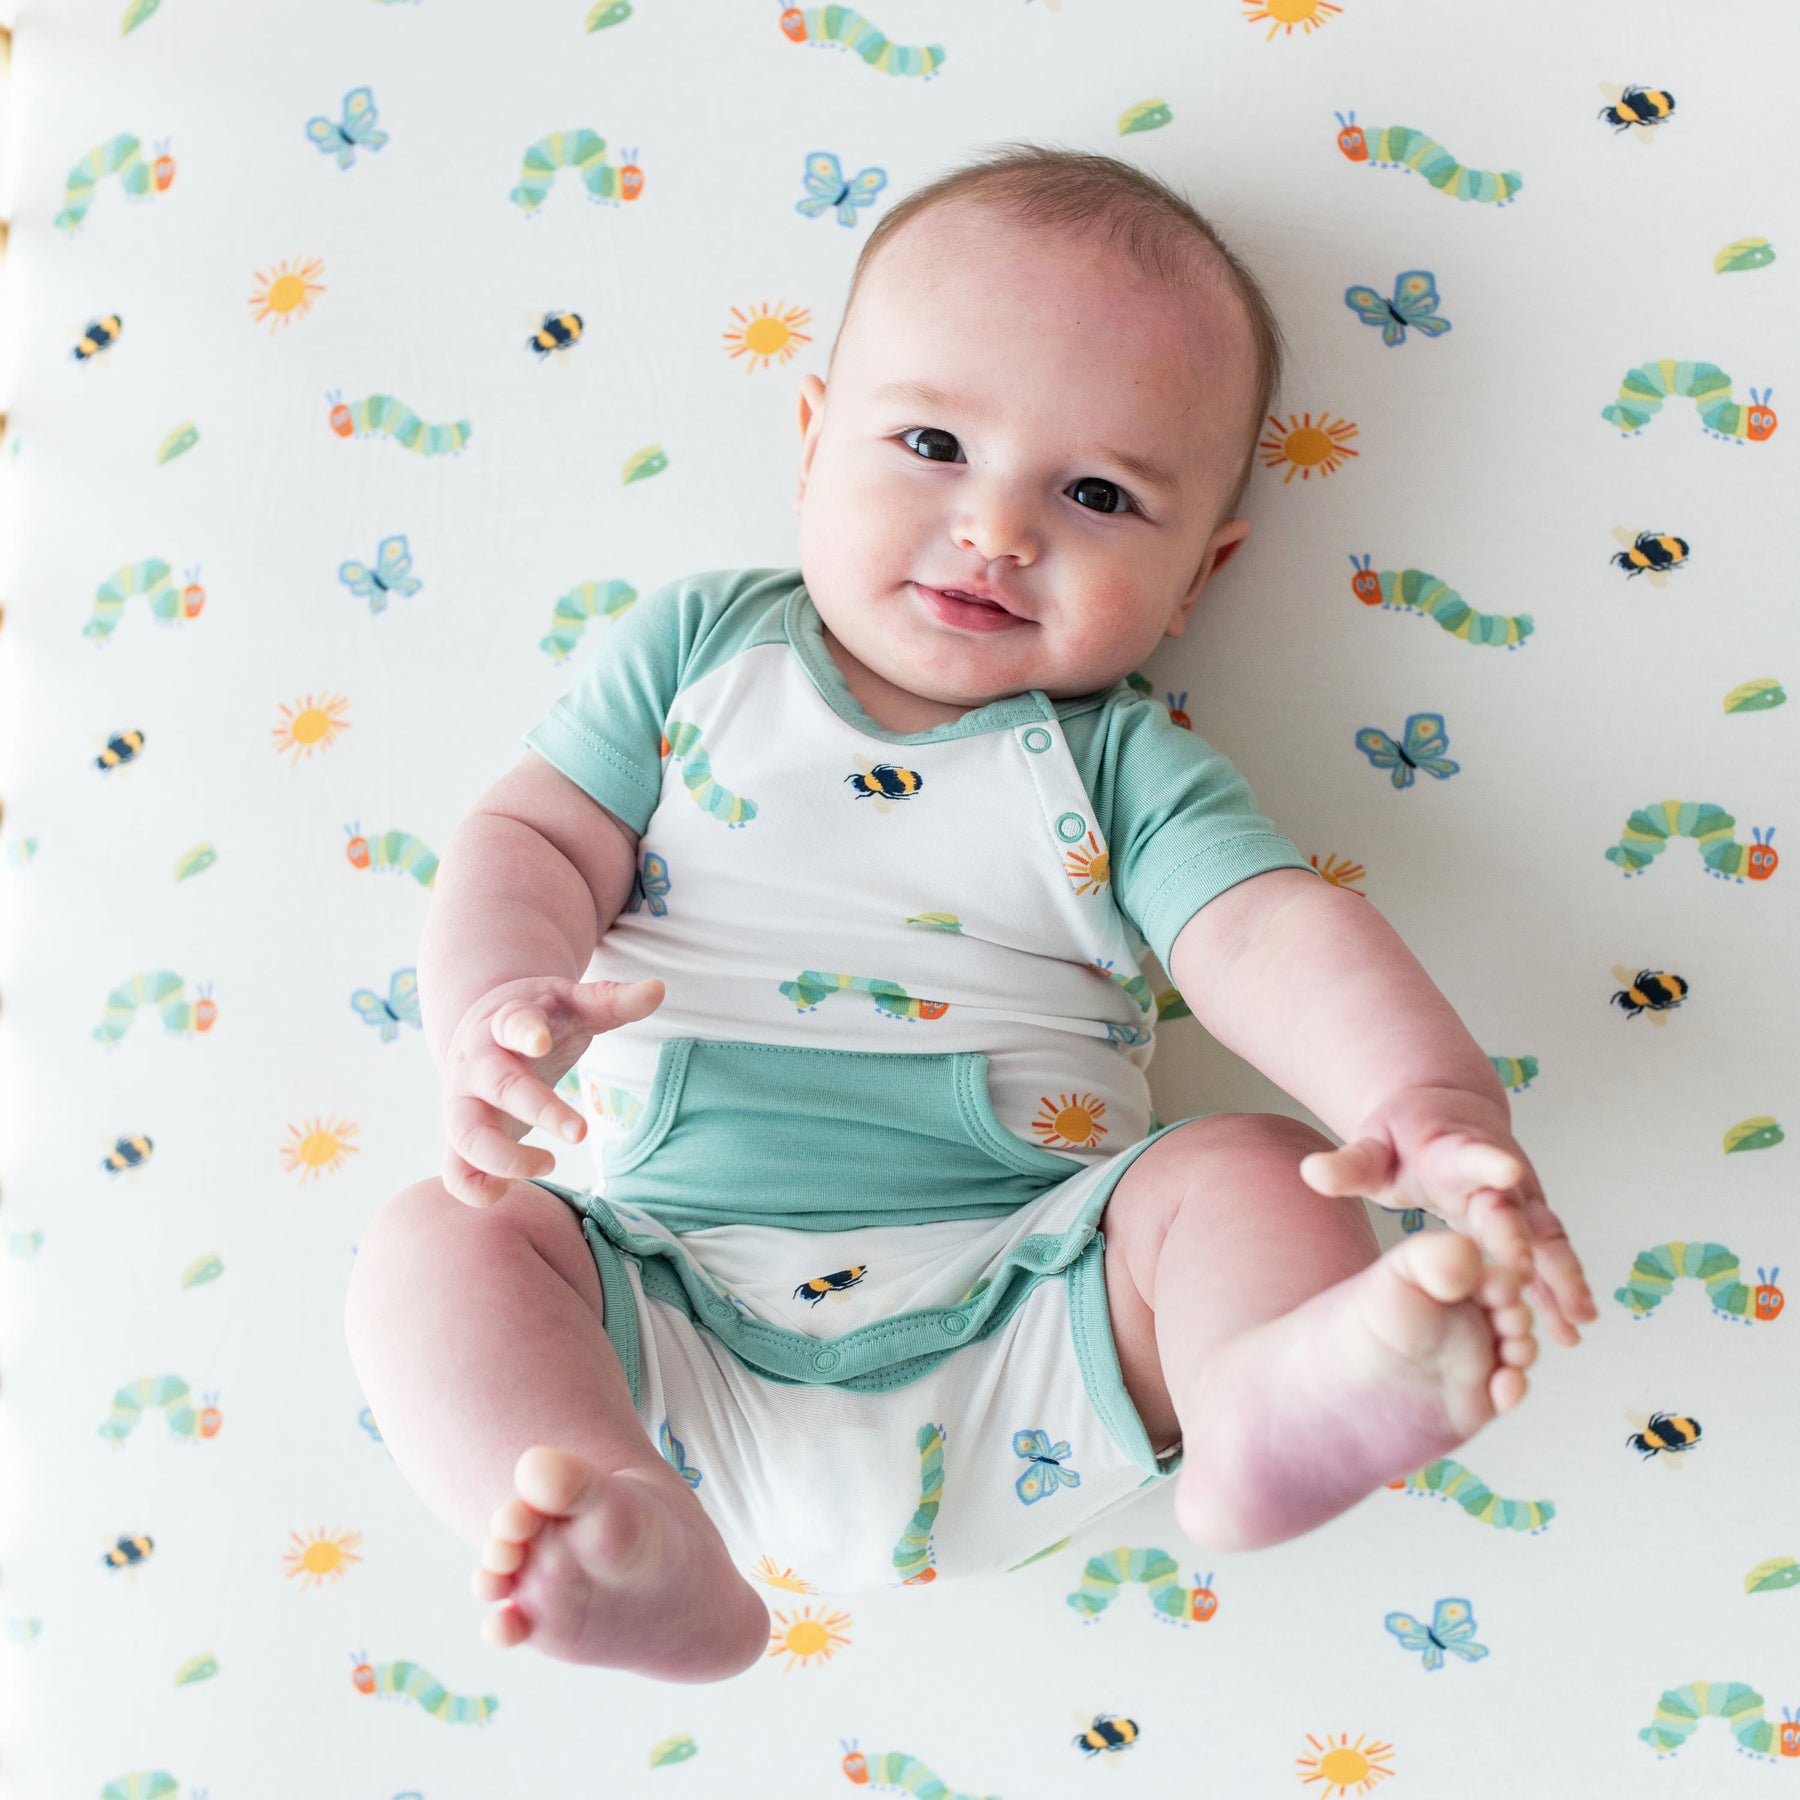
{"points": [[122, 747], [1650, 990], [128, 1153], [100, 335], [1652, 553], [1673, 1432], [815, 1290], [1636, 109], [1106, 1734], [129, 1551], [559, 331], [884, 784]]}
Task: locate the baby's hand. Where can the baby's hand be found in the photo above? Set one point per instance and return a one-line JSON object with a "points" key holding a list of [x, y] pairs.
{"points": [[508, 1051]]}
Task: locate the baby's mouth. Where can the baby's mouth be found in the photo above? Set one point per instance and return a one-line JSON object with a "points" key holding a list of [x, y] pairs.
{"points": [[964, 611]]}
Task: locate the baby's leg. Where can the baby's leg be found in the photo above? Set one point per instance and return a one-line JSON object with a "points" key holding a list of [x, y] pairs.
{"points": [[478, 1335], [1305, 1370]]}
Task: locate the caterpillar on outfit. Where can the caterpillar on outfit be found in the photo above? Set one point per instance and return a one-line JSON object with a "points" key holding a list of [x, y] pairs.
{"points": [[584, 151], [1157, 1570], [169, 1392], [163, 990], [393, 850], [1400, 147], [1646, 387], [1449, 1480], [682, 741], [1649, 829], [1656, 1270], [842, 25], [381, 413], [122, 156], [812, 986], [413, 1682], [1413, 590], [913, 1560], [586, 600], [1680, 1710]]}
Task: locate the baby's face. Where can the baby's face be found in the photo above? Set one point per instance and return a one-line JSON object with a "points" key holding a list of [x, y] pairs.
{"points": [[1053, 368]]}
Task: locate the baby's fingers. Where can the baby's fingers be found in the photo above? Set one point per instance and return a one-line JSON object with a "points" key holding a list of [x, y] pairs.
{"points": [[522, 1028]]}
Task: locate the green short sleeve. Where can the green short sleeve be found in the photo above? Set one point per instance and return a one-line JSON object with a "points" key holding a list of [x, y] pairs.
{"points": [[1180, 820]]}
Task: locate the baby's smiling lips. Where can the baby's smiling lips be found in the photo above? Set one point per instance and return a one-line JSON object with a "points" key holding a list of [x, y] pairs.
{"points": [[969, 609]]}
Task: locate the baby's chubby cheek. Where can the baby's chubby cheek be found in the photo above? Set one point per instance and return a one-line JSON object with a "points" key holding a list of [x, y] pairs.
{"points": [[1100, 628]]}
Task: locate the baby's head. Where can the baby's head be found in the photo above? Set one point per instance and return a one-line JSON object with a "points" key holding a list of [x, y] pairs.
{"points": [[1099, 366]]}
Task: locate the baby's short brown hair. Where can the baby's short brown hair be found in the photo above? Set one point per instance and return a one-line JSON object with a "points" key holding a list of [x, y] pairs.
{"points": [[1077, 190]]}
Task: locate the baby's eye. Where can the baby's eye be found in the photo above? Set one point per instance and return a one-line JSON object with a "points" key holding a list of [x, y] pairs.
{"points": [[1088, 482]]}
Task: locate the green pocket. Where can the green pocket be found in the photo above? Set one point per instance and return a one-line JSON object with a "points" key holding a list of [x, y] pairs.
{"points": [[822, 1140]]}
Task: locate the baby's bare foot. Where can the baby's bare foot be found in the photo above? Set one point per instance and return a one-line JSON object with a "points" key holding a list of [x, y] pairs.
{"points": [[621, 1568], [1298, 1418]]}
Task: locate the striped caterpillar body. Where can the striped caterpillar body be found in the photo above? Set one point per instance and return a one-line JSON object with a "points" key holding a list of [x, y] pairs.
{"points": [[682, 741], [1400, 147], [894, 1769], [384, 415], [169, 603], [1646, 387], [1680, 1710], [584, 151], [913, 1560], [842, 25], [122, 156], [142, 1784], [1649, 829], [167, 1391], [812, 986], [1447, 1479], [412, 1682], [1656, 1270], [393, 850], [163, 990], [586, 600], [1157, 1570], [1414, 590]]}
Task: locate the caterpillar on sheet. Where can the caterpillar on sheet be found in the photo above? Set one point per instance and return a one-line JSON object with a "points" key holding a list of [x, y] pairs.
{"points": [[812, 986], [842, 25], [163, 990], [1447, 1479], [1400, 147], [172, 1394], [891, 1768], [1680, 1710], [1157, 1570], [169, 604], [142, 1784], [682, 741], [1646, 387], [121, 156], [393, 850], [586, 600], [1656, 1270], [913, 1560], [1649, 829], [582, 150], [383, 413], [412, 1682], [1413, 590]]}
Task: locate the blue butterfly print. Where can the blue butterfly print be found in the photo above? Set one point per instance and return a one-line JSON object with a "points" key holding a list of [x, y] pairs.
{"points": [[400, 1007], [826, 187], [1452, 1627], [1415, 303], [1426, 742], [651, 883], [1046, 1472], [358, 128], [676, 1455], [389, 576]]}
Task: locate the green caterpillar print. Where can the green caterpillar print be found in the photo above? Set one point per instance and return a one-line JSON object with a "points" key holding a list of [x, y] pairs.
{"points": [[1650, 828], [1135, 985], [1646, 387], [1447, 1479], [682, 741], [1156, 1569], [169, 604], [586, 600], [412, 1682], [616, 1103], [812, 986], [842, 25], [383, 413], [1400, 147], [1516, 1072], [585, 152], [169, 1392], [142, 1784], [1680, 1710], [1414, 590], [913, 1560], [124, 157], [393, 850], [1656, 1271], [163, 990], [892, 1769]]}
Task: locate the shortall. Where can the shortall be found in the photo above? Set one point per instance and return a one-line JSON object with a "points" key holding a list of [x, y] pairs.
{"points": [[849, 1174]]}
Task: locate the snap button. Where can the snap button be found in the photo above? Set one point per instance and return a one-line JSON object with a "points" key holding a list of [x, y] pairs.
{"points": [[825, 1359], [1047, 1252], [717, 1303], [1036, 739], [954, 1323], [1070, 826]]}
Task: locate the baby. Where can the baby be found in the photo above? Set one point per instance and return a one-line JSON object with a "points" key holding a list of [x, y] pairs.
{"points": [[890, 1273]]}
